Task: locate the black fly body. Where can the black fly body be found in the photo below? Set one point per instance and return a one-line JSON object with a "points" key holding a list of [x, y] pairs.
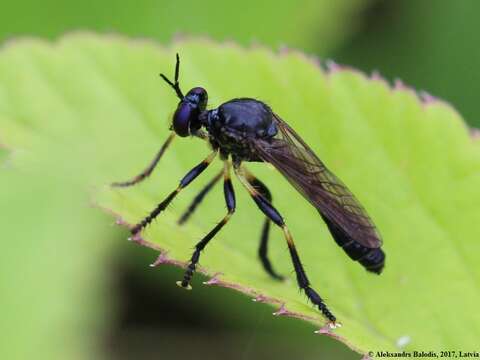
{"points": [[245, 130]]}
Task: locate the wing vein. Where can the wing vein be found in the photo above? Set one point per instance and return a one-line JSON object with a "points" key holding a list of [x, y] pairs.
{"points": [[289, 154]]}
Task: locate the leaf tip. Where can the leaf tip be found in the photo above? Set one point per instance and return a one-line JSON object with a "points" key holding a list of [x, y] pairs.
{"points": [[333, 67], [214, 280], [135, 238], [260, 298], [282, 311], [120, 222], [161, 259], [329, 326]]}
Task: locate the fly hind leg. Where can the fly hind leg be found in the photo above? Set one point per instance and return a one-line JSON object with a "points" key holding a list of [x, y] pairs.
{"points": [[266, 207], [263, 248]]}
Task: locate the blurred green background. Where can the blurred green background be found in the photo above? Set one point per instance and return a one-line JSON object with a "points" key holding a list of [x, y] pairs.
{"points": [[102, 300]]}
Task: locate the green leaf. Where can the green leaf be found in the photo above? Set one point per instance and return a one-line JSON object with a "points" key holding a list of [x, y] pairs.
{"points": [[411, 162]]}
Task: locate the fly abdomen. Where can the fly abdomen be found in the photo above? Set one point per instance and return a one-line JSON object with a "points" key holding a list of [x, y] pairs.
{"points": [[372, 259]]}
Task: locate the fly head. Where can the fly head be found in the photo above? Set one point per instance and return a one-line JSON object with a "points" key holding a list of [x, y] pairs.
{"points": [[186, 118]]}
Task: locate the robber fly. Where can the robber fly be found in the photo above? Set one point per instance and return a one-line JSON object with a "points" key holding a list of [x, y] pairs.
{"points": [[244, 130]]}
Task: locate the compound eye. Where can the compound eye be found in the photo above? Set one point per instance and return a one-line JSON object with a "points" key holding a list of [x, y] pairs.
{"points": [[182, 118]]}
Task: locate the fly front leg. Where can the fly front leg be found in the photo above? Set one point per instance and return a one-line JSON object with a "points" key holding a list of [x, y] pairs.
{"points": [[230, 201], [187, 179], [146, 173], [266, 207]]}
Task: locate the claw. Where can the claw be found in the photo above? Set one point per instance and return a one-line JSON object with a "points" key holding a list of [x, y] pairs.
{"points": [[334, 325], [188, 287]]}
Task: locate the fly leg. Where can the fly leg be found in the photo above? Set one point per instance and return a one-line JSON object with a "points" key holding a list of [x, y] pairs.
{"points": [[198, 199], [230, 201], [263, 248], [187, 179], [266, 207], [145, 173]]}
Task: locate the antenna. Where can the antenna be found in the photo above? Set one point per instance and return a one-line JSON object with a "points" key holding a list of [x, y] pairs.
{"points": [[176, 85]]}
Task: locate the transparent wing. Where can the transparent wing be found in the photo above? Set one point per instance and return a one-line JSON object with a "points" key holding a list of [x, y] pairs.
{"points": [[303, 169]]}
